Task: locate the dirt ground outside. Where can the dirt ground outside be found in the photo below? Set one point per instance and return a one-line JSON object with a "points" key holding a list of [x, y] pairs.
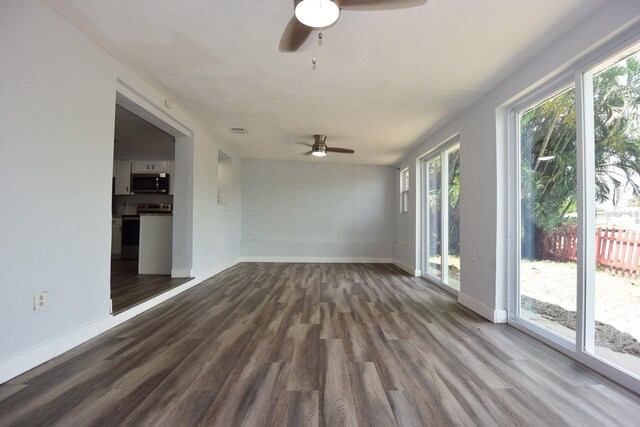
{"points": [[617, 298], [548, 288]]}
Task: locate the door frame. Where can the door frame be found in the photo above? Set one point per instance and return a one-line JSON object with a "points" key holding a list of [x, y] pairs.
{"points": [[441, 151], [182, 181], [580, 75]]}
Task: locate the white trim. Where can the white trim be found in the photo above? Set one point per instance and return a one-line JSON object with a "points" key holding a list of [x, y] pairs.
{"points": [[181, 272], [586, 173], [439, 146], [444, 215], [412, 271], [418, 242], [132, 99], [363, 260], [493, 315], [23, 362]]}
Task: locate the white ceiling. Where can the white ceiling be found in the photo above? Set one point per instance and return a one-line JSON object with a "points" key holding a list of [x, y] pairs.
{"points": [[383, 80]]}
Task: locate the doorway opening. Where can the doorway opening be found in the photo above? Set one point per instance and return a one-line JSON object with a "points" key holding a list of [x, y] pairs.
{"points": [[149, 198]]}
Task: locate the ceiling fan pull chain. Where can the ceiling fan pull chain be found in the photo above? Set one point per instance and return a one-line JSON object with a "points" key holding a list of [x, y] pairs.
{"points": [[315, 49], [315, 53]]}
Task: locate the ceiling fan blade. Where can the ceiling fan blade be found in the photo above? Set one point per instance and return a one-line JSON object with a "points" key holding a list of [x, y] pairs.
{"points": [[294, 35], [304, 143], [307, 153], [380, 4], [340, 150]]}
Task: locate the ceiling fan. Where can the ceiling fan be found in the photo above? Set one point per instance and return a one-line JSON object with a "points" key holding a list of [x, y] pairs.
{"points": [[310, 14], [319, 147]]}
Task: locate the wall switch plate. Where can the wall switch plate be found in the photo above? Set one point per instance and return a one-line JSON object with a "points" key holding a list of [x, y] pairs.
{"points": [[40, 300]]}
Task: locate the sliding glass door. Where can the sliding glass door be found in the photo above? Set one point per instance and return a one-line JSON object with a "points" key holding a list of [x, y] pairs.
{"points": [[433, 262], [576, 215], [441, 207], [548, 191], [613, 307]]}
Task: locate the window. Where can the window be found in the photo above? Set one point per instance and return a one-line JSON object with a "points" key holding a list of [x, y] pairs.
{"points": [[404, 190], [441, 207], [576, 157]]}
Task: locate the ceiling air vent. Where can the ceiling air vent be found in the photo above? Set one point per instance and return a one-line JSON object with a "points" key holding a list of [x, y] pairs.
{"points": [[239, 131]]}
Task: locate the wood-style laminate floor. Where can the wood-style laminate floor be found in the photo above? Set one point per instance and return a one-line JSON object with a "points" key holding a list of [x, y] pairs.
{"points": [[128, 288], [314, 344]]}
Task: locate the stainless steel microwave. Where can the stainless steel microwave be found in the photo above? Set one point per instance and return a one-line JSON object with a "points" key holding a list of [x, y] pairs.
{"points": [[150, 183]]}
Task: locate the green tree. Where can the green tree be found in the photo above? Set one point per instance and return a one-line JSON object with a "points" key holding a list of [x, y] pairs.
{"points": [[548, 164], [548, 140], [617, 140]]}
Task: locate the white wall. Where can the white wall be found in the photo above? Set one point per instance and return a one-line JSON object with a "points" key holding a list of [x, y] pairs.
{"points": [[484, 167], [225, 179], [300, 210], [57, 116]]}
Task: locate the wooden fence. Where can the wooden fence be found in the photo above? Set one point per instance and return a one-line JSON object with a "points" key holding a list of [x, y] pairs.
{"points": [[617, 250]]}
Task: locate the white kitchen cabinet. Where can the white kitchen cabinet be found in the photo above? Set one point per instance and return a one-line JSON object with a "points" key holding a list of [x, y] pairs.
{"points": [[122, 174], [151, 166], [116, 236]]}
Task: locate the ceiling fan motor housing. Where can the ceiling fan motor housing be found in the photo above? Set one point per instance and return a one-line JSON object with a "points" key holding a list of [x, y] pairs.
{"points": [[319, 146]]}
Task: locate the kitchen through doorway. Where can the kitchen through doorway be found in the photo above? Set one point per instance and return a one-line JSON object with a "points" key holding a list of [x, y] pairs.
{"points": [[142, 211]]}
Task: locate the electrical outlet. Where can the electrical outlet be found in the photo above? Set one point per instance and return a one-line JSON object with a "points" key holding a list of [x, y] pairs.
{"points": [[40, 300]]}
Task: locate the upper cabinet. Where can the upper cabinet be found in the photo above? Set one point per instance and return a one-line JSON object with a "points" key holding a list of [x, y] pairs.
{"points": [[153, 166], [122, 174]]}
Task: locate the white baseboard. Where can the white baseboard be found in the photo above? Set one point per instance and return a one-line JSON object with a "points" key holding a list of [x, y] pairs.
{"points": [[181, 273], [412, 271], [21, 363], [495, 316], [325, 260]]}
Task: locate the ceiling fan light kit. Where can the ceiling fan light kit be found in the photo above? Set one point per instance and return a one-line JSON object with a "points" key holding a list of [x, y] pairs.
{"points": [[317, 13], [310, 14], [319, 150]]}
